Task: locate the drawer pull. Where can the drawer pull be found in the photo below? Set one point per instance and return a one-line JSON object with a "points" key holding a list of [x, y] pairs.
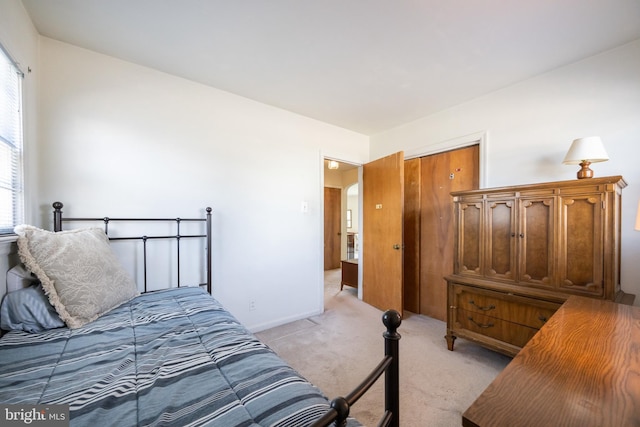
{"points": [[542, 318], [487, 308], [481, 325]]}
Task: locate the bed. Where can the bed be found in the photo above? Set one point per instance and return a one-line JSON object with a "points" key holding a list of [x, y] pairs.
{"points": [[171, 357]]}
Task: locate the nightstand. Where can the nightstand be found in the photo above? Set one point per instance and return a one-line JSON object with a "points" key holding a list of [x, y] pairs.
{"points": [[349, 273]]}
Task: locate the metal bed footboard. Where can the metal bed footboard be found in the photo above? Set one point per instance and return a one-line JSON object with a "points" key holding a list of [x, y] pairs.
{"points": [[389, 365], [58, 219]]}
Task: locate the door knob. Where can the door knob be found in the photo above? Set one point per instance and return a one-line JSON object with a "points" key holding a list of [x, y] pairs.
{"points": [[396, 247]]}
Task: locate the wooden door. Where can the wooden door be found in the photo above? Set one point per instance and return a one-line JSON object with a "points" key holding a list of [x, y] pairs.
{"points": [[332, 202], [412, 208], [441, 174], [382, 216]]}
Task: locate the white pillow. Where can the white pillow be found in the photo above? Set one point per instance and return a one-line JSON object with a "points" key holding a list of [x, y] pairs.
{"points": [[79, 272]]}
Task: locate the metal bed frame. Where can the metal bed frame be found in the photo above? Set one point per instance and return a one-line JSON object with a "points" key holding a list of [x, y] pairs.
{"points": [[58, 219], [339, 407], [390, 366]]}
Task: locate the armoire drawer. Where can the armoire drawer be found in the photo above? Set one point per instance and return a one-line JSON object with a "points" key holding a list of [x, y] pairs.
{"points": [[515, 309], [499, 329], [497, 319]]}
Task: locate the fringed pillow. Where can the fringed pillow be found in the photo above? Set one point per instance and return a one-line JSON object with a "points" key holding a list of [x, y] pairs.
{"points": [[78, 270]]}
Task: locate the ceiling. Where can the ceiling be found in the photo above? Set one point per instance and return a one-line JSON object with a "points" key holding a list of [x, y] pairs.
{"points": [[364, 65]]}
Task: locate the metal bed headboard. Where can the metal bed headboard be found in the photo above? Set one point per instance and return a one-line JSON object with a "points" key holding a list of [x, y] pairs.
{"points": [[58, 220]]}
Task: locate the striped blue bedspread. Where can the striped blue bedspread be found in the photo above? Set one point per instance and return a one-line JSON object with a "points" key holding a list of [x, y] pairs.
{"points": [[172, 358]]}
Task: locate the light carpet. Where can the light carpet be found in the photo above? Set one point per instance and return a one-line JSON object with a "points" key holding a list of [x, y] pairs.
{"points": [[337, 349]]}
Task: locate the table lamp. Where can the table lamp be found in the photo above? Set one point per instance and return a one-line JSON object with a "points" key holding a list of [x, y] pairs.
{"points": [[585, 151]]}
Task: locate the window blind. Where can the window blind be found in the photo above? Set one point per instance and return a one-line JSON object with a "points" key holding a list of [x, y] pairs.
{"points": [[11, 189]]}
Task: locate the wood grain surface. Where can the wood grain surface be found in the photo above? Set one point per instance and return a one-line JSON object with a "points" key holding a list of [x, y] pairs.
{"points": [[581, 369]]}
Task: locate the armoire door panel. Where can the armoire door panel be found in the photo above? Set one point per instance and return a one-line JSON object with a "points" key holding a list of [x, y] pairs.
{"points": [[469, 239], [502, 239], [582, 247], [535, 237]]}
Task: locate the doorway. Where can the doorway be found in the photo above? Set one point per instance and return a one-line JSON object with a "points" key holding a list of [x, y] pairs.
{"points": [[341, 211], [340, 222]]}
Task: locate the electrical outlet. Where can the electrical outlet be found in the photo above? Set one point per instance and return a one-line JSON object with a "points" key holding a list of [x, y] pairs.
{"points": [[252, 305]]}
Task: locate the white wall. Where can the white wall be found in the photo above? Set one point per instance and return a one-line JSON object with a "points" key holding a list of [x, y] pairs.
{"points": [[119, 139], [113, 138], [530, 127]]}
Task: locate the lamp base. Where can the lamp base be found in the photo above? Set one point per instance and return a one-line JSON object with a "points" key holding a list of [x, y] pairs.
{"points": [[585, 172]]}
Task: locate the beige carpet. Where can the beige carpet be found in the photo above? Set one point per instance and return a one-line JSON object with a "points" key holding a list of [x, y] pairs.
{"points": [[337, 349]]}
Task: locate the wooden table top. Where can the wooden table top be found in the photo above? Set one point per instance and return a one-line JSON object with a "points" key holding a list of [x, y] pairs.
{"points": [[581, 369]]}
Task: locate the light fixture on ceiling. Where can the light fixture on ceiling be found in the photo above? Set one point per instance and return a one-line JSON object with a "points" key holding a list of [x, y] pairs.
{"points": [[585, 151], [333, 164]]}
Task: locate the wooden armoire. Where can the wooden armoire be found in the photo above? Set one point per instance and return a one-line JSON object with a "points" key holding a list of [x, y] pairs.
{"points": [[521, 251]]}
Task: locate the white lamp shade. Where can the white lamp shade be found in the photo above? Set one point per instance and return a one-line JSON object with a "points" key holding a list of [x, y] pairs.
{"points": [[588, 149], [638, 218]]}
